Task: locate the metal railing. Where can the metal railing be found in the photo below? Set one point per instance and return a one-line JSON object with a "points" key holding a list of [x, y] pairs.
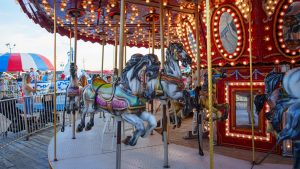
{"points": [[23, 116]]}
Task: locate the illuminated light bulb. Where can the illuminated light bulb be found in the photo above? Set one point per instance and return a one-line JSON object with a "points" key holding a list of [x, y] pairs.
{"points": [[181, 7], [270, 48], [287, 51], [276, 61], [267, 28], [281, 40], [220, 64], [232, 63], [245, 63]]}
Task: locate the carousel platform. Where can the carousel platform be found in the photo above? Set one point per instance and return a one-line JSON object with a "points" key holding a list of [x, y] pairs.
{"points": [[86, 152]]}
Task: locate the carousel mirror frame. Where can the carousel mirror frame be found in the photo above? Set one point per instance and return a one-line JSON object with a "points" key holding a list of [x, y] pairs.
{"points": [[239, 24], [236, 132], [185, 25], [278, 30]]}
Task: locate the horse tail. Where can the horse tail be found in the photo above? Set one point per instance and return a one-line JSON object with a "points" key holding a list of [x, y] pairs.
{"points": [[259, 102]]}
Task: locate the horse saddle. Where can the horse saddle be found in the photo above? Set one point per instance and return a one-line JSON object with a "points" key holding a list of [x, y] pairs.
{"points": [[115, 98], [73, 91]]}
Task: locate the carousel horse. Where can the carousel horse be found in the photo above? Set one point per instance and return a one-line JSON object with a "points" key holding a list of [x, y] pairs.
{"points": [[199, 98], [282, 94], [140, 81], [73, 92]]}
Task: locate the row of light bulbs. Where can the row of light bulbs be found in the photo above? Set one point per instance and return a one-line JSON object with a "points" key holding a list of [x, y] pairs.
{"points": [[227, 127]]}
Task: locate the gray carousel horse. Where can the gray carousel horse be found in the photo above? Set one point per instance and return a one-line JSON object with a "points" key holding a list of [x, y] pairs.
{"points": [[73, 93], [140, 81], [283, 95]]}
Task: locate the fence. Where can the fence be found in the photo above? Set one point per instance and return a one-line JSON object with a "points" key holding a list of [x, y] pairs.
{"points": [[23, 116]]}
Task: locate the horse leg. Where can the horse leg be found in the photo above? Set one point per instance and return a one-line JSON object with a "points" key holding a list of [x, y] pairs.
{"points": [[90, 124], [296, 155], [146, 116], [139, 126], [81, 125]]}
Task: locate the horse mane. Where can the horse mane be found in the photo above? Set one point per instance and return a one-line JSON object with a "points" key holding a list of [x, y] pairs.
{"points": [[136, 58], [169, 53], [137, 62], [83, 81], [272, 80]]}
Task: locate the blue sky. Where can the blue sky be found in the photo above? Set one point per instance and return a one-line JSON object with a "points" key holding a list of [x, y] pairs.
{"points": [[17, 28]]}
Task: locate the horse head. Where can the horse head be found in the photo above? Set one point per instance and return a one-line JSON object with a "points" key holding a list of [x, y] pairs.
{"points": [[137, 71], [272, 81], [175, 53], [171, 82]]}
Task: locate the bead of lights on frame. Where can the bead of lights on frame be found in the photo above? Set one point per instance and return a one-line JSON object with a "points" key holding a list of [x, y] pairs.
{"points": [[238, 135], [237, 18]]}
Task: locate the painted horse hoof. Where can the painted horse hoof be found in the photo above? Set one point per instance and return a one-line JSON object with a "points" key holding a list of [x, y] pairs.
{"points": [[89, 126], [127, 140], [79, 128]]}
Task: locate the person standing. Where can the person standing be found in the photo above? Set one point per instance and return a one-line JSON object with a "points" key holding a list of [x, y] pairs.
{"points": [[45, 77], [33, 75], [28, 93]]}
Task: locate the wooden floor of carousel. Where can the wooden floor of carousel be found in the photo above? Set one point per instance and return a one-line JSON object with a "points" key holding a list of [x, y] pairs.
{"points": [[86, 152]]}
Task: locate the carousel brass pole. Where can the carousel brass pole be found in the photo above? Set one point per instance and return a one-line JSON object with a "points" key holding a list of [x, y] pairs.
{"points": [[75, 63], [197, 42], [71, 52], [200, 122], [165, 121], [209, 69], [75, 39], [251, 88], [116, 50], [169, 23], [125, 48], [54, 99], [102, 57], [149, 46], [121, 53], [162, 41], [153, 35]]}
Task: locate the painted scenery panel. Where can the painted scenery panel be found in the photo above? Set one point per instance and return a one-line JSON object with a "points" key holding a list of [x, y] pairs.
{"points": [[228, 32], [291, 26]]}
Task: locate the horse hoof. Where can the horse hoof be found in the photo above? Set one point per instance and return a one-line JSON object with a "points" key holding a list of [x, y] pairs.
{"points": [[89, 126], [79, 128], [127, 140]]}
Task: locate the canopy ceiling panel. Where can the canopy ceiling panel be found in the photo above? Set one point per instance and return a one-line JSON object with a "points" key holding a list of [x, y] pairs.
{"points": [[275, 26]]}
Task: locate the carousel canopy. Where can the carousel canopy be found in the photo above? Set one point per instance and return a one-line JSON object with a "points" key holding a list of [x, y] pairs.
{"points": [[275, 26], [13, 62]]}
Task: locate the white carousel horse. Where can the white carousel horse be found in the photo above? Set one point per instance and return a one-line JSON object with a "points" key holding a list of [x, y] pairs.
{"points": [[138, 83], [283, 95]]}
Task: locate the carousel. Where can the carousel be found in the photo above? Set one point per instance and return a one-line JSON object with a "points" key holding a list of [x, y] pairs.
{"points": [[243, 56]]}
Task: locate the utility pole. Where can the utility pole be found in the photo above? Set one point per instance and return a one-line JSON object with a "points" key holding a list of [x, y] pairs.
{"points": [[10, 47]]}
